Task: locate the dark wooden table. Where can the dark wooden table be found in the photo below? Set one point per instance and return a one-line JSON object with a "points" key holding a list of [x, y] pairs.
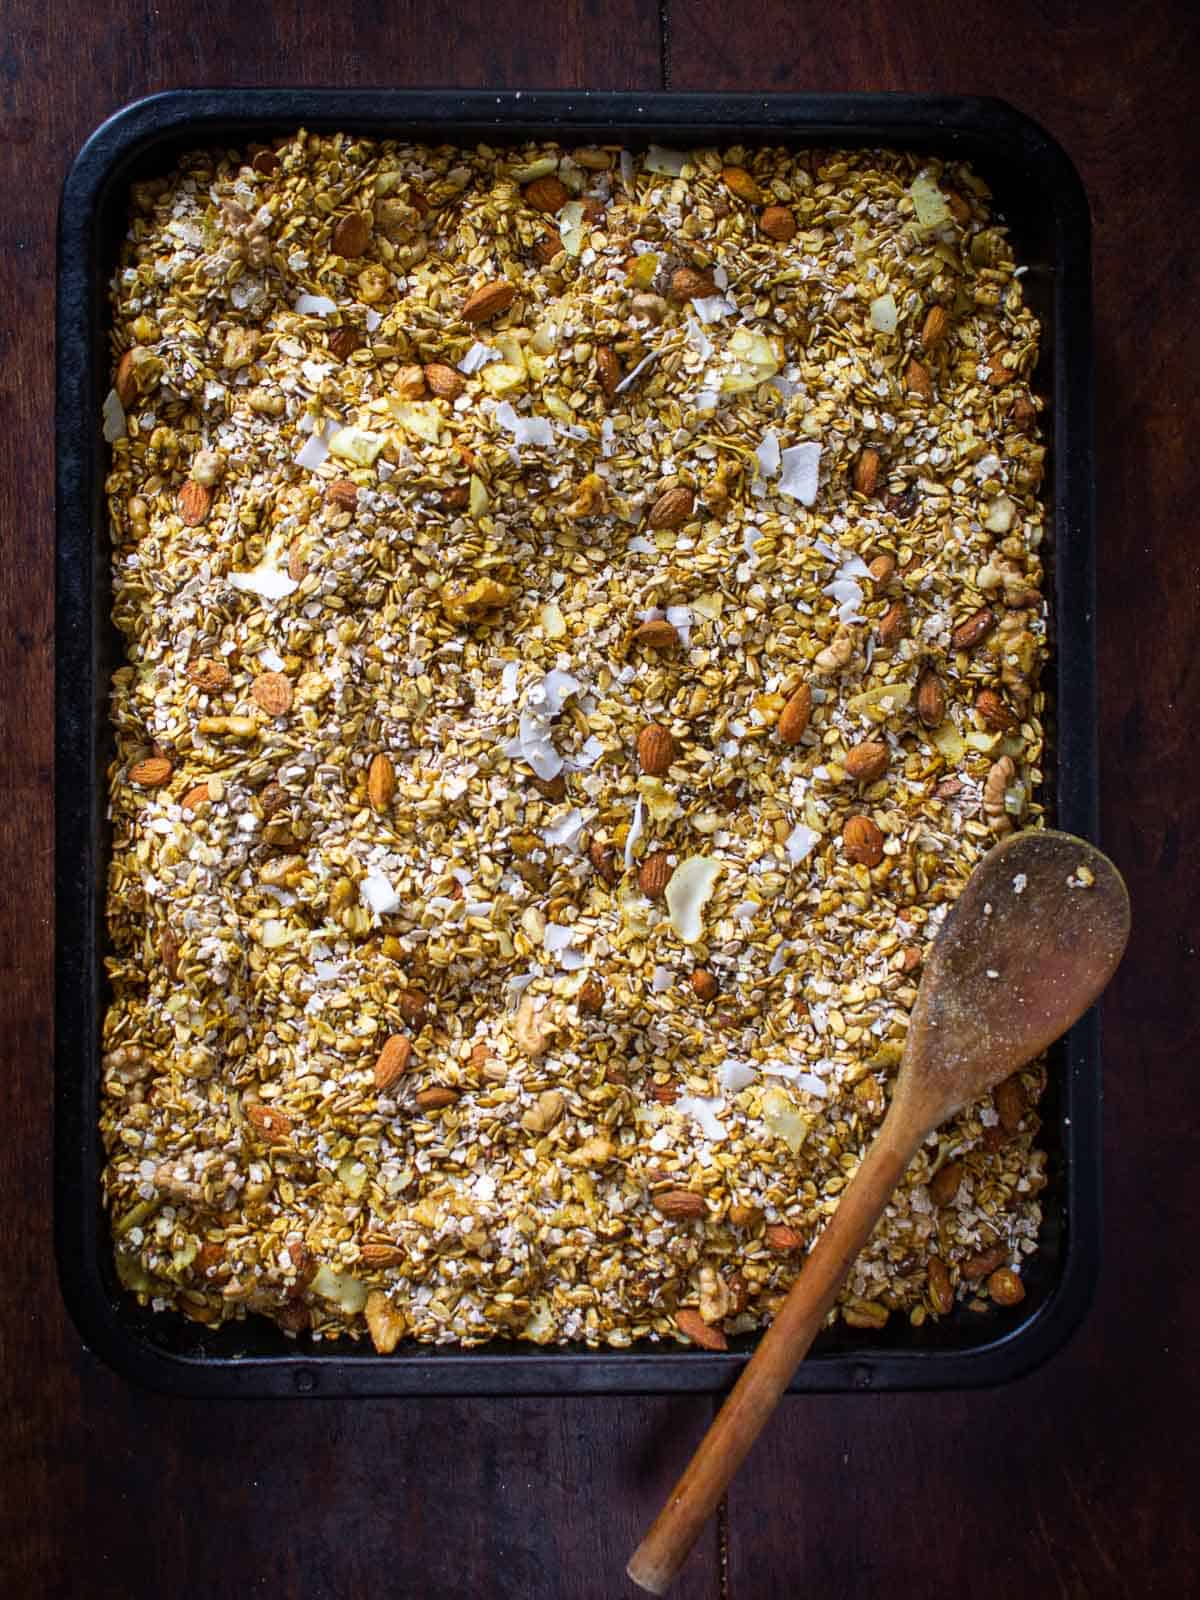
{"points": [[1076, 1481]]}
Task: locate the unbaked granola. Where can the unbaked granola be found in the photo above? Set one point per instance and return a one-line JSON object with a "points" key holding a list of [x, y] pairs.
{"points": [[583, 617]]}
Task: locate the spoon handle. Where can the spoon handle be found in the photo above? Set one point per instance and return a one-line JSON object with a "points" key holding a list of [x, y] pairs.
{"points": [[767, 1374]]}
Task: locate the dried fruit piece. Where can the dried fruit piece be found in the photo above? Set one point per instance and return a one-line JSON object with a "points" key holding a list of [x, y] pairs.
{"points": [[209, 676], [779, 1237], [194, 502], [548, 194], [704, 986], [867, 762], [655, 874], [866, 471], [352, 235], [1005, 1288], [655, 749], [436, 1098], [931, 699], [679, 1204], [545, 1113], [608, 370], [343, 342], [941, 1290], [917, 380], [381, 782], [794, 718], [385, 1322], [690, 283], [444, 381], [993, 712], [273, 692], [392, 1061], [693, 1326], [933, 329], [862, 841], [778, 223], [837, 654], [477, 601], [995, 794], [974, 629], [532, 1029], [152, 773], [739, 182], [489, 300], [656, 634], [672, 509], [590, 998]]}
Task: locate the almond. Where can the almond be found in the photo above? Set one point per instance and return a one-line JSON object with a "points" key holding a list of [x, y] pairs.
{"points": [[893, 624], [604, 860], [745, 1216], [456, 499], [704, 986], [655, 874], [342, 494], [392, 1061], [168, 952], [352, 235], [151, 773], [881, 569], [941, 1289], [984, 1262], [273, 692], [665, 1094], [960, 208], [436, 1099], [266, 163], [608, 370], [409, 382], [1023, 414], [931, 699], [862, 841], [1009, 1100], [917, 380], [998, 374], [778, 223], [443, 381], [125, 382], [547, 247], [590, 998], [489, 300], [779, 1237], [867, 762], [794, 718], [554, 788], [1005, 1287], [655, 749], [196, 797], [739, 182], [381, 782], [973, 630], [412, 1004], [690, 283], [996, 716], [273, 797], [343, 342], [381, 1255], [693, 1326], [866, 471], [672, 509], [194, 502], [656, 634], [679, 1203], [944, 1184], [277, 1125], [933, 329], [547, 194], [208, 675]]}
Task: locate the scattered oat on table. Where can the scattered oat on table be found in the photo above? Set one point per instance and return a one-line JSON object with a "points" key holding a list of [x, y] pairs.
{"points": [[440, 477]]}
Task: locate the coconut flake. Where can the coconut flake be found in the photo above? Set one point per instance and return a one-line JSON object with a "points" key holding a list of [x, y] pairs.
{"points": [[799, 843], [798, 479], [525, 430], [662, 980], [372, 320], [316, 305], [376, 892], [635, 832], [607, 440], [478, 356], [689, 889], [113, 413], [565, 831], [668, 162], [884, 314], [706, 400], [627, 170], [314, 452], [556, 938], [698, 339], [266, 580], [768, 454], [703, 1109], [508, 682], [849, 597], [735, 1075], [713, 307], [632, 377]]}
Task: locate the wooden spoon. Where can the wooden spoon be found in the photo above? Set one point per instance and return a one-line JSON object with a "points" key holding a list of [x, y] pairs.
{"points": [[1030, 943]]}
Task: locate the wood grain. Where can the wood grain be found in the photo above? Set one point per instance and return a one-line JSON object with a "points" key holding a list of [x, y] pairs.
{"points": [[1072, 1482]]}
